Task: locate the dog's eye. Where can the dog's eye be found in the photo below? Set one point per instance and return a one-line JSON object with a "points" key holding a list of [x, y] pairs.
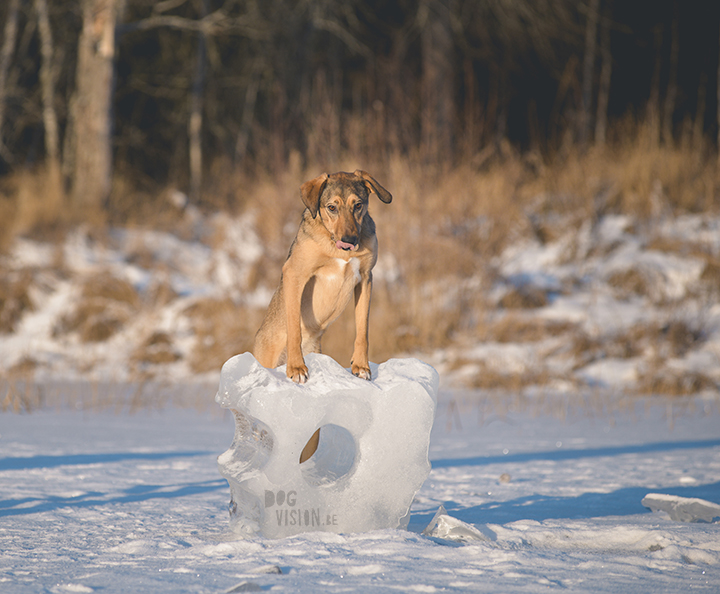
{"points": [[332, 207], [358, 206]]}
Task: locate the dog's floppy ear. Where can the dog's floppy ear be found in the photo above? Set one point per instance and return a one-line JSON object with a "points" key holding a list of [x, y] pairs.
{"points": [[374, 187], [311, 191]]}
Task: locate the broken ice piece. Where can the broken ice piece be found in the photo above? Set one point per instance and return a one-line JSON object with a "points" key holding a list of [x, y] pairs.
{"points": [[373, 451], [446, 527], [244, 587], [683, 509]]}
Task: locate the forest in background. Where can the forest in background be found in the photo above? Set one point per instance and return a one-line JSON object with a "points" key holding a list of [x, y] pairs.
{"points": [[112, 101], [578, 140]]}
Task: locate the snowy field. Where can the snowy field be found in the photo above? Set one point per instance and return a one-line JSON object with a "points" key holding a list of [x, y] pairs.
{"points": [[120, 501]]}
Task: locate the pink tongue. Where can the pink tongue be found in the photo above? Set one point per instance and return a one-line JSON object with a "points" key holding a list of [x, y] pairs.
{"points": [[341, 245]]}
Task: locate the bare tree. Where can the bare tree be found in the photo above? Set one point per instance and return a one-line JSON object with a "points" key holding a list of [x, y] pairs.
{"points": [[93, 101], [47, 83], [605, 75], [195, 120], [670, 96], [438, 97], [717, 173], [251, 94], [654, 99], [588, 68], [699, 123], [8, 47]]}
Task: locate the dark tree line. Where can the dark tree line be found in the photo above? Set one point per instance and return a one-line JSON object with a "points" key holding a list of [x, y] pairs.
{"points": [[168, 90]]}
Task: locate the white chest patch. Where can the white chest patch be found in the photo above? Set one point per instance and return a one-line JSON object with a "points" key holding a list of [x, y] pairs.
{"points": [[354, 265]]}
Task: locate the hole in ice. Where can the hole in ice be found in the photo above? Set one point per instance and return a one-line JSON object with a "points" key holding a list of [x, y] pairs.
{"points": [[251, 447], [334, 458]]}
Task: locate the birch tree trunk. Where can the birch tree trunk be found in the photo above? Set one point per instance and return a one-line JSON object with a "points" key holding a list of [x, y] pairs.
{"points": [[92, 117], [47, 83], [196, 115], [8, 46]]}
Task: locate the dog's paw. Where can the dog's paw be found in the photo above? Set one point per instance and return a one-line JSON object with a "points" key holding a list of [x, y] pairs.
{"points": [[362, 372], [298, 373]]}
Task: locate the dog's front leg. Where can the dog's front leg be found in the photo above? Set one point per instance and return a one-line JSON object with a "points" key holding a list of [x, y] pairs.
{"points": [[293, 286], [359, 363]]}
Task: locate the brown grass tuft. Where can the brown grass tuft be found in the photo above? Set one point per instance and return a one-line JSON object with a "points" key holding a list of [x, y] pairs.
{"points": [[664, 382], [157, 349], [525, 297], [680, 336], [24, 368], [515, 328], [711, 273], [629, 282], [660, 341], [488, 378], [106, 303], [14, 299], [623, 345], [109, 287], [222, 330], [32, 202]]}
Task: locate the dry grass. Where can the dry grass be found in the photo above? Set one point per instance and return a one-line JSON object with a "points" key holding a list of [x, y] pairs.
{"points": [[673, 339], [487, 377], [437, 240], [635, 174], [22, 395], [222, 330], [524, 297], [33, 203], [711, 274], [15, 299], [629, 282], [516, 328], [474, 208], [157, 349], [664, 382], [106, 303]]}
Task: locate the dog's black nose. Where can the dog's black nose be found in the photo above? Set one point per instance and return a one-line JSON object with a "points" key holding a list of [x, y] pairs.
{"points": [[350, 239]]}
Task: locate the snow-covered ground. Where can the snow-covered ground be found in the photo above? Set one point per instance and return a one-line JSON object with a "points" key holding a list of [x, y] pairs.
{"points": [[121, 501]]}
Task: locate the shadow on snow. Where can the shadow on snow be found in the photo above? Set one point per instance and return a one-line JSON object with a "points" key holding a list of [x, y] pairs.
{"points": [[569, 454], [136, 493], [622, 502], [30, 462]]}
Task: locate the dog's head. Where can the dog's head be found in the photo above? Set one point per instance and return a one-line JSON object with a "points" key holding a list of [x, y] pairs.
{"points": [[341, 199]]}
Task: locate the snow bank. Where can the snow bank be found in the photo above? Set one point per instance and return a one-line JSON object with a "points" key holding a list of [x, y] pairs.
{"points": [[373, 453]]}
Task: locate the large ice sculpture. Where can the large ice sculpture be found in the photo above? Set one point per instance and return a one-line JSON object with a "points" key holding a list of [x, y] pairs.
{"points": [[372, 457]]}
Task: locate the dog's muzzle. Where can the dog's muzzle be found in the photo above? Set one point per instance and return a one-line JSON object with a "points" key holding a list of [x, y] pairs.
{"points": [[349, 244]]}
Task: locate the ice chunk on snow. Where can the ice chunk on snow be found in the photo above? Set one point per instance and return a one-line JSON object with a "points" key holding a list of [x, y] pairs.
{"points": [[683, 509], [373, 452], [448, 528]]}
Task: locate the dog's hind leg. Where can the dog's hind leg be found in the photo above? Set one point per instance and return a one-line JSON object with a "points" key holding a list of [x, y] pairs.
{"points": [[310, 447]]}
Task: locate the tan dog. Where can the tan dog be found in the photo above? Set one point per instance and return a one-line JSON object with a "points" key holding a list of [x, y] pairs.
{"points": [[331, 259]]}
